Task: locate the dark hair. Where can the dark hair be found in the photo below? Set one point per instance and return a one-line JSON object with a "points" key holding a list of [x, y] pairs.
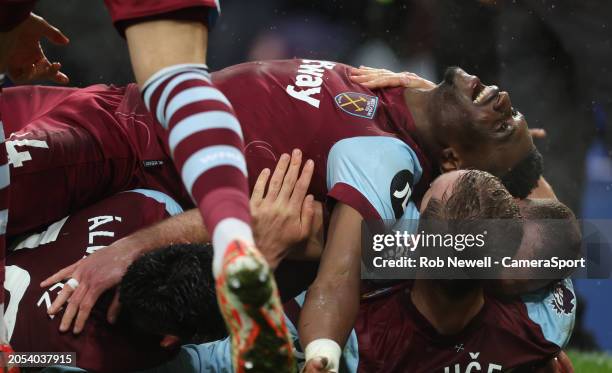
{"points": [[476, 205], [172, 291], [523, 178]]}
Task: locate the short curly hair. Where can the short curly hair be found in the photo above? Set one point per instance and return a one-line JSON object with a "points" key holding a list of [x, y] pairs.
{"points": [[523, 178], [172, 291]]}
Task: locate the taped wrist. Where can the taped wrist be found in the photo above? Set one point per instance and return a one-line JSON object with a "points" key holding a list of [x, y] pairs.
{"points": [[325, 348]]}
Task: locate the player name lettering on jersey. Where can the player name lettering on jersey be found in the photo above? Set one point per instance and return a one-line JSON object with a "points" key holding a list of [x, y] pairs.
{"points": [[95, 223], [474, 366], [94, 236], [309, 81]]}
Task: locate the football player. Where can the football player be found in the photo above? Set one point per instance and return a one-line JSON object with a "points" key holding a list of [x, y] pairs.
{"points": [[421, 326], [122, 347], [167, 42], [376, 150]]}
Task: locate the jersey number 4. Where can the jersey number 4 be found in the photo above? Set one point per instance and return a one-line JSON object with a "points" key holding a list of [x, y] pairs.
{"points": [[15, 157]]}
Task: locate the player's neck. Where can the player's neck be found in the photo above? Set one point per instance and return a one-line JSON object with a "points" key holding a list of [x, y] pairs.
{"points": [[448, 315], [417, 101]]}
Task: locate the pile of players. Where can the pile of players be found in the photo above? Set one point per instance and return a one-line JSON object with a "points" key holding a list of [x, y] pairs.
{"points": [[108, 256]]}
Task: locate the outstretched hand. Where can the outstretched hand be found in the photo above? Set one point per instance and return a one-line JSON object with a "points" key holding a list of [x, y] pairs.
{"points": [[382, 78], [283, 215], [22, 56], [95, 274]]}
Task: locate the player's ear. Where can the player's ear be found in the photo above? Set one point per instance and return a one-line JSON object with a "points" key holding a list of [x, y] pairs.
{"points": [[449, 160], [169, 341]]}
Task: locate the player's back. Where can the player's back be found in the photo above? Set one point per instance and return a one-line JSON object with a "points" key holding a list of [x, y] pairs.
{"points": [[100, 347], [393, 336], [83, 144], [312, 105]]}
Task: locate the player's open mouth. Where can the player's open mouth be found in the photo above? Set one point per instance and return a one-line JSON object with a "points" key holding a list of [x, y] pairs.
{"points": [[483, 94]]}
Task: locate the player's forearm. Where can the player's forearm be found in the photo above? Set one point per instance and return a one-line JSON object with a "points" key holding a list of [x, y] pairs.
{"points": [[332, 303], [187, 227], [329, 314], [183, 228], [330, 309]]}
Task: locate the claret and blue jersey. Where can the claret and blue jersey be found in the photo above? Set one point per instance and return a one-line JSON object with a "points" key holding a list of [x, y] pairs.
{"points": [[362, 141]]}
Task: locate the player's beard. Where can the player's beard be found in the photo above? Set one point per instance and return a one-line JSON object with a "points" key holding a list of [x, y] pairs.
{"points": [[449, 76]]}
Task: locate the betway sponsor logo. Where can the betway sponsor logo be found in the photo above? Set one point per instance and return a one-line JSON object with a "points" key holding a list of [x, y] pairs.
{"points": [[309, 80]]}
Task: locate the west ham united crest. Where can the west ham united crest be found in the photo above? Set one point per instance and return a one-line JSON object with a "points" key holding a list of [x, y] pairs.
{"points": [[357, 104], [563, 299]]}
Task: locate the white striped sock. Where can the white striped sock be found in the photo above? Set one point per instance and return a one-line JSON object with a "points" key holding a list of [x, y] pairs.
{"points": [[228, 230]]}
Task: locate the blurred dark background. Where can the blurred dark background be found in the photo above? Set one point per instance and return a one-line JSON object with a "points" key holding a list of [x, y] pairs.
{"points": [[553, 56]]}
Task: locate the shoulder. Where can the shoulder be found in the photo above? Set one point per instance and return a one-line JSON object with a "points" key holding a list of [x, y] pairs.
{"points": [[553, 310], [544, 318], [382, 169], [384, 152]]}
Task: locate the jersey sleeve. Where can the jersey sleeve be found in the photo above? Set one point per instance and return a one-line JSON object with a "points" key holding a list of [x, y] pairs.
{"points": [[375, 176], [554, 311], [14, 12]]}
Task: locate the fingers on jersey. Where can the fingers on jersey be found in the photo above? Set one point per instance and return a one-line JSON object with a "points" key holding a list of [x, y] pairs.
{"points": [[205, 140], [62, 274], [74, 297], [69, 294], [301, 186], [276, 182], [260, 187], [80, 302], [73, 283], [291, 175], [383, 78], [285, 187]]}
